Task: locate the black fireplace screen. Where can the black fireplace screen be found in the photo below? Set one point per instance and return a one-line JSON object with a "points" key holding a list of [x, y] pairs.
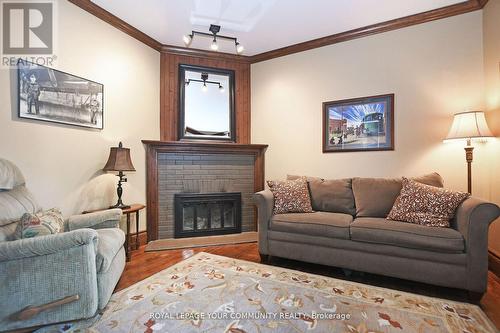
{"points": [[203, 214]]}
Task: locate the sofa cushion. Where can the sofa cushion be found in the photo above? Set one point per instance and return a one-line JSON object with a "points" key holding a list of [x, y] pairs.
{"points": [[109, 243], [374, 197], [330, 195], [325, 224], [382, 231], [290, 196], [426, 205], [40, 224]]}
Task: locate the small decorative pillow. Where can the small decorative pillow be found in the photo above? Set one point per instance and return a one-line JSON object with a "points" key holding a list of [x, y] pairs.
{"points": [[40, 224], [426, 205], [290, 196]]}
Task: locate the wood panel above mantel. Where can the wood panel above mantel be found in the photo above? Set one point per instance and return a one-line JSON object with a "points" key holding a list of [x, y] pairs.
{"points": [[154, 148], [169, 90]]}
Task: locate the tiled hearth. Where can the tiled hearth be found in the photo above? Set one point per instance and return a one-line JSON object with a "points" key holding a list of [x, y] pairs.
{"points": [[175, 167]]}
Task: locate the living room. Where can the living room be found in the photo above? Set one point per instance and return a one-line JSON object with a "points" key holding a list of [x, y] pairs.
{"points": [[360, 109]]}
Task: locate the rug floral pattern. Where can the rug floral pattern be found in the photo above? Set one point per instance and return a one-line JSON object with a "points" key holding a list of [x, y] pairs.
{"points": [[209, 293]]}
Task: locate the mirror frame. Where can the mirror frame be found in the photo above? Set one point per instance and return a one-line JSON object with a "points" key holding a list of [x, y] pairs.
{"points": [[231, 90]]}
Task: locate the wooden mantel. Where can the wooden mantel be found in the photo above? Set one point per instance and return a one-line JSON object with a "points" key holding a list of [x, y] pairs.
{"points": [[153, 148]]}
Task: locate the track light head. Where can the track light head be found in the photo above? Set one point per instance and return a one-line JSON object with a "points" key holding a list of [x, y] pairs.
{"points": [[239, 48], [214, 46], [187, 39], [221, 88]]}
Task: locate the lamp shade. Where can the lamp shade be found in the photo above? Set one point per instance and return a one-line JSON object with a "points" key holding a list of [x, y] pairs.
{"points": [[469, 125], [119, 159]]}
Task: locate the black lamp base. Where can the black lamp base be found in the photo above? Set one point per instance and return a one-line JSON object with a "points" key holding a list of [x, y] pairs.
{"points": [[119, 192], [120, 205]]}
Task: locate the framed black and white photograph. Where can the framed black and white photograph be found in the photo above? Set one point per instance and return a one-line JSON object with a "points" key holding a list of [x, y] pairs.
{"points": [[47, 94]]}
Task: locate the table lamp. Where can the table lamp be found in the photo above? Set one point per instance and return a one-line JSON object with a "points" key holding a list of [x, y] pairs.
{"points": [[469, 126], [119, 160]]}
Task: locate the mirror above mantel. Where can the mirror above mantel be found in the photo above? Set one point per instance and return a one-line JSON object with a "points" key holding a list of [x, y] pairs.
{"points": [[206, 104]]}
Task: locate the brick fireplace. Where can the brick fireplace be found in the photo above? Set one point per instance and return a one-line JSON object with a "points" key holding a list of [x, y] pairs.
{"points": [[178, 168]]}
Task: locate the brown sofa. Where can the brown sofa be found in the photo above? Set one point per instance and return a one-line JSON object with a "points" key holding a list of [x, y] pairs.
{"points": [[349, 229]]}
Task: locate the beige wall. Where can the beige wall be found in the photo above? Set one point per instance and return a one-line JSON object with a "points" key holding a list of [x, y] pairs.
{"points": [[434, 69], [491, 35], [62, 163]]}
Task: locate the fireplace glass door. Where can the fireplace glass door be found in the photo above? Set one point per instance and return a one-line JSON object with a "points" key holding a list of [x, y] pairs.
{"points": [[202, 214]]}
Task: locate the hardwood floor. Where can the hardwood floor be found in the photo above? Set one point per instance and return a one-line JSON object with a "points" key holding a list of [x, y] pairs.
{"points": [[145, 264]]}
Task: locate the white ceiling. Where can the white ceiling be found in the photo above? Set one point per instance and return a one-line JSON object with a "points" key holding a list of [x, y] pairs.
{"points": [[260, 25]]}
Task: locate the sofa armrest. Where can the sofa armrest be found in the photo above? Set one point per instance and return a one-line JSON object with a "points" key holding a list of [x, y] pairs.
{"points": [[265, 204], [44, 245], [109, 218], [472, 220]]}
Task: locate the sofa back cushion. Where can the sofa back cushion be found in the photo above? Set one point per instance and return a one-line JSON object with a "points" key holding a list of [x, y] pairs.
{"points": [[374, 197], [331, 195]]}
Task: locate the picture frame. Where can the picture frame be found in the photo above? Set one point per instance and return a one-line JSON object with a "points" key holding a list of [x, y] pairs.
{"points": [[358, 124], [50, 95]]}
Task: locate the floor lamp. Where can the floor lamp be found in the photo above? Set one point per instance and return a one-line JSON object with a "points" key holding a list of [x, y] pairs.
{"points": [[469, 126]]}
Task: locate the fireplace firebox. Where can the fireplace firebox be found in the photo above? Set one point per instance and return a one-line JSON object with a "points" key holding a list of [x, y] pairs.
{"points": [[207, 214]]}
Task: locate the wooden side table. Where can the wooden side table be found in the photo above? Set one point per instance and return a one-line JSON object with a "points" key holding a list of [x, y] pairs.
{"points": [[134, 208]]}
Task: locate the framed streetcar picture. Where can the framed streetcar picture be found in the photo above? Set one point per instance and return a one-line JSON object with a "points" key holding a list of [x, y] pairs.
{"points": [[359, 124], [47, 94]]}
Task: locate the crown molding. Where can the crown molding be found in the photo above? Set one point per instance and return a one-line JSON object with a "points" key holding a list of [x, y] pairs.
{"points": [[481, 3], [432, 15], [204, 53], [117, 22]]}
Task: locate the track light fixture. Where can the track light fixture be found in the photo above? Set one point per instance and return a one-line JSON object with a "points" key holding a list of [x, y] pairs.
{"points": [[187, 39], [214, 46], [204, 80], [239, 48]]}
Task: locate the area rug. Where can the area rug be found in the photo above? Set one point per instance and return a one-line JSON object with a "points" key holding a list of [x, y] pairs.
{"points": [[181, 243], [209, 293]]}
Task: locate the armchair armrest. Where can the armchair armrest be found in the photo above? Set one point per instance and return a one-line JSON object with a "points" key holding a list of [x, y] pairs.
{"points": [[472, 220], [39, 246], [109, 218], [265, 204], [48, 279]]}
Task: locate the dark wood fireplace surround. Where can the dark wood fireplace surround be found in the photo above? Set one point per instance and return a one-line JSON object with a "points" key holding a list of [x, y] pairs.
{"points": [[169, 117]]}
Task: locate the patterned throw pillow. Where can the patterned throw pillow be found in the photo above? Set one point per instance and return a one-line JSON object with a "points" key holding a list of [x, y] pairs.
{"points": [[290, 196], [426, 205], [40, 224]]}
